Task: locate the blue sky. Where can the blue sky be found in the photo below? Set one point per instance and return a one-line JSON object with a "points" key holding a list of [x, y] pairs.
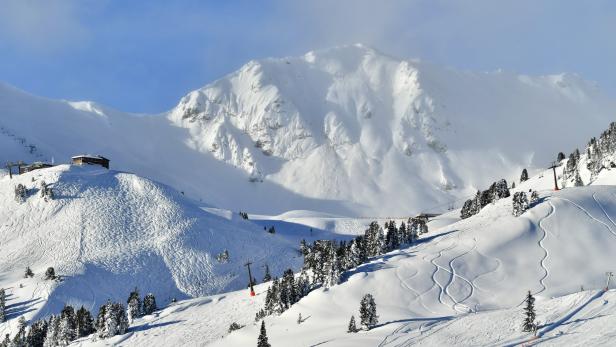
{"points": [[142, 56]]}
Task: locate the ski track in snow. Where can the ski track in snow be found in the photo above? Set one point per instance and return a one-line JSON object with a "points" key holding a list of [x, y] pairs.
{"points": [[436, 268], [589, 214], [540, 243], [498, 266], [594, 196]]}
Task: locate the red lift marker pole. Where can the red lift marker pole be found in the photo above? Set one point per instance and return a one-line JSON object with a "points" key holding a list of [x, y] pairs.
{"points": [[252, 291]]}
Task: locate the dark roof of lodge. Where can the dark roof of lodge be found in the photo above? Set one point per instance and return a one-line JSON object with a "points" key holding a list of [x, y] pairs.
{"points": [[89, 156]]}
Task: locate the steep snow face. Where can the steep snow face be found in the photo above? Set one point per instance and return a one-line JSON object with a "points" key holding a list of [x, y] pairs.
{"points": [[352, 124], [106, 232]]}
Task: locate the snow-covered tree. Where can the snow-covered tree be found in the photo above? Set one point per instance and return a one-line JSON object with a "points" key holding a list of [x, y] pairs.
{"points": [[149, 304], [46, 191], [499, 190], [20, 193], [352, 326], [223, 257], [524, 176], [84, 322], [134, 308], [466, 209], [260, 315], [6, 342], [67, 330], [53, 330], [560, 156], [374, 240], [262, 340], [367, 312], [267, 276], [520, 203], [19, 340], [50, 273], [112, 320], [534, 197], [2, 305], [529, 324], [234, 326], [392, 240], [36, 334], [578, 180]]}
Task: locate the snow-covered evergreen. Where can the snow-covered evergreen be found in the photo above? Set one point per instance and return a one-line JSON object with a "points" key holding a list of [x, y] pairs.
{"points": [[367, 312]]}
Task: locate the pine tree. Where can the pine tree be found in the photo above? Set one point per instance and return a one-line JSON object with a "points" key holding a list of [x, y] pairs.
{"points": [[524, 176], [67, 330], [50, 274], [367, 312], [267, 277], [529, 314], [53, 330], [2, 305], [234, 326], [112, 320], [299, 318], [578, 180], [392, 240], [403, 232], [352, 326], [19, 340], [84, 322], [134, 308], [28, 272], [36, 335], [260, 315], [6, 342], [466, 209], [534, 197], [520, 203], [262, 340], [149, 304], [20, 193]]}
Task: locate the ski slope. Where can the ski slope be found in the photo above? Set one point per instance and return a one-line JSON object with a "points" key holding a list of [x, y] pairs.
{"points": [[106, 232], [462, 284]]}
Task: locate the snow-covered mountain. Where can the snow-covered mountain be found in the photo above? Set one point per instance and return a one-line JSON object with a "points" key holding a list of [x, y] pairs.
{"points": [[346, 130], [352, 124]]}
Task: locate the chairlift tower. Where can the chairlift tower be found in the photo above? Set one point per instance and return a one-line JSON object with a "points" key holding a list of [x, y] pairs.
{"points": [[252, 291], [553, 166]]}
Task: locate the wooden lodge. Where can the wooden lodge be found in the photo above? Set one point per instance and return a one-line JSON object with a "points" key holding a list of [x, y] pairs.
{"points": [[34, 166], [86, 159]]}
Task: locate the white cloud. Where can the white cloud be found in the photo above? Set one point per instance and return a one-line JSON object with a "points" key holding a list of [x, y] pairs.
{"points": [[41, 26]]}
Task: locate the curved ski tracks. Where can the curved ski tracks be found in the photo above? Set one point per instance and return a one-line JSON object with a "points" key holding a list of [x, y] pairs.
{"points": [[590, 215], [540, 243]]}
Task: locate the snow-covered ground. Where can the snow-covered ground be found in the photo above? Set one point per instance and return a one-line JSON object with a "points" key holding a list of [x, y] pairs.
{"points": [[106, 232], [462, 284]]}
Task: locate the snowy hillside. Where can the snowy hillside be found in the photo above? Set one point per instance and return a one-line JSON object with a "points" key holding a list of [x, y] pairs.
{"points": [[106, 232], [347, 131], [463, 284]]}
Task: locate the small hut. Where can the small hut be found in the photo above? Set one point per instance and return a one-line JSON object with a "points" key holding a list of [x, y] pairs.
{"points": [[87, 159], [34, 166]]}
